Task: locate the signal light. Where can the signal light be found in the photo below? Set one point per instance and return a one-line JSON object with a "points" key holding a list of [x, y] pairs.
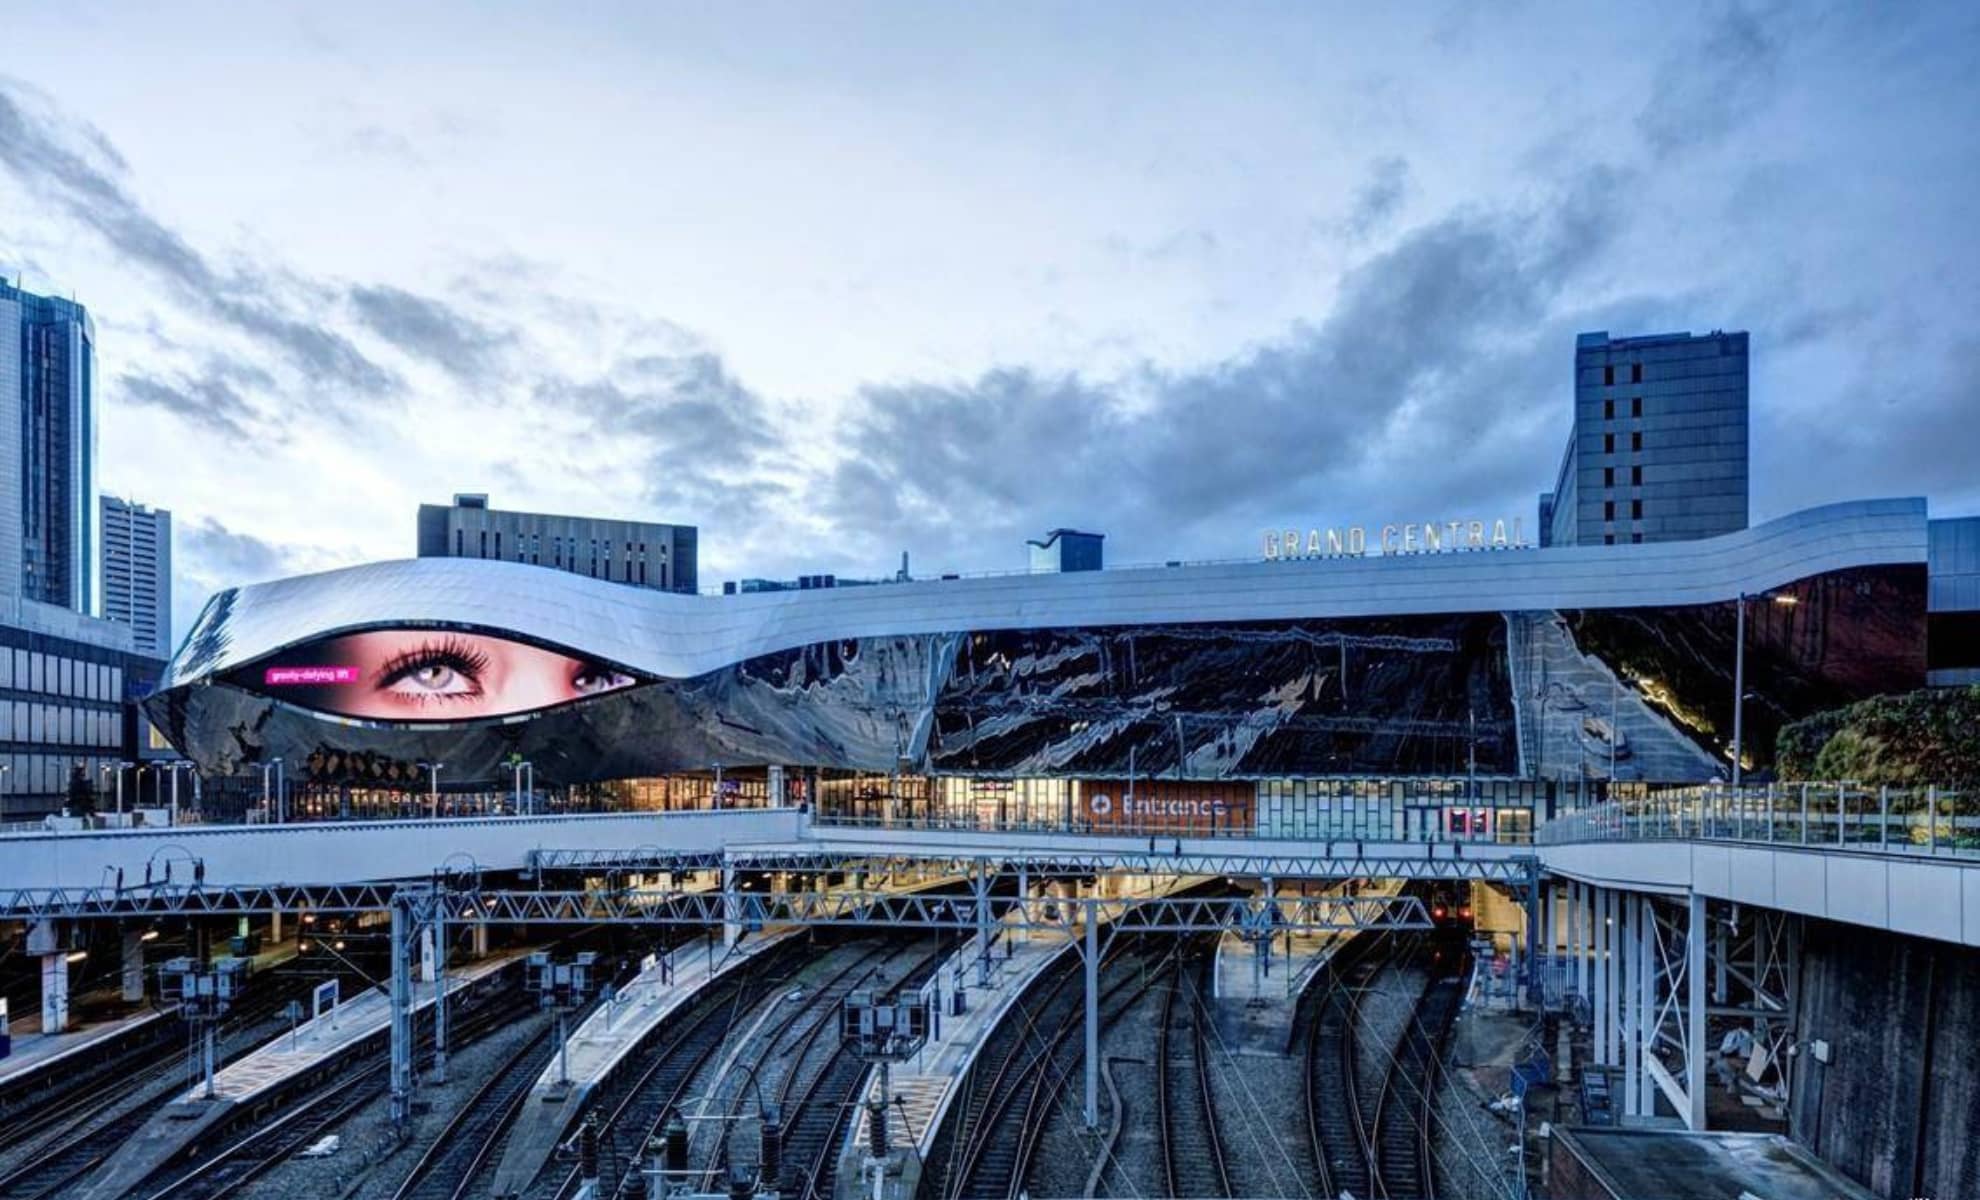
{"points": [[1438, 912], [1465, 912]]}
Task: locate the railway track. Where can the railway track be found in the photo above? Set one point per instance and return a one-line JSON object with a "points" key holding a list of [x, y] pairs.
{"points": [[248, 1156], [819, 1006], [71, 1135], [63, 1101], [817, 1093], [1193, 1157], [1381, 1144], [637, 1105], [265, 1146], [1013, 1091], [448, 1168]]}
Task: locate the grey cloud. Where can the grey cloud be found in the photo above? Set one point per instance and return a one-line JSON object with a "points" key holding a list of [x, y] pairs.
{"points": [[213, 551], [1380, 198], [706, 439], [208, 556], [50, 159], [1705, 87], [1903, 421], [428, 328], [1430, 356], [210, 402]]}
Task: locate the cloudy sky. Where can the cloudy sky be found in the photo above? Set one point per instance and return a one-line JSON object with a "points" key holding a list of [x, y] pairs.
{"points": [[834, 281]]}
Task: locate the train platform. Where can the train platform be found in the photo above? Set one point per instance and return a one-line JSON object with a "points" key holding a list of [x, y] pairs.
{"points": [[36, 1051], [613, 1030], [316, 1041], [253, 1077], [1255, 995], [923, 1083], [926, 1084]]}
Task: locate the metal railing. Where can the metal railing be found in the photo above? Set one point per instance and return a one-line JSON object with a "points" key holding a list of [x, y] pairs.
{"points": [[1927, 821], [1161, 831]]}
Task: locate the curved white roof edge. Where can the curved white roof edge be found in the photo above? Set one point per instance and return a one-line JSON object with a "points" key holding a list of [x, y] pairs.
{"points": [[680, 636]]}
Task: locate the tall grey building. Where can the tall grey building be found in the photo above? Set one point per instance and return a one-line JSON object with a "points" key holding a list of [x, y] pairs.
{"points": [[1658, 452], [641, 553], [47, 449], [137, 572]]}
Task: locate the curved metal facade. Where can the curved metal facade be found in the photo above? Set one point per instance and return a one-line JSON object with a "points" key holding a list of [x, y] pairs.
{"points": [[1398, 664]]}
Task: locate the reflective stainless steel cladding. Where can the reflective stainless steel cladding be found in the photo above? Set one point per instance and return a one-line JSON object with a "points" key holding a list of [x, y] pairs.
{"points": [[1426, 663]]}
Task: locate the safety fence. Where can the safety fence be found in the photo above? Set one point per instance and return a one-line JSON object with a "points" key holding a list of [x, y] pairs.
{"points": [[1930, 821]]}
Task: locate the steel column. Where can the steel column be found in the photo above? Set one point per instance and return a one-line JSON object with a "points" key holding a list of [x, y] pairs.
{"points": [[1598, 972], [1577, 933], [1645, 986], [1631, 925], [1694, 1014], [980, 888]]}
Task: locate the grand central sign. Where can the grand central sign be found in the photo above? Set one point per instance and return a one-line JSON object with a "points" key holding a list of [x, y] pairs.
{"points": [[1351, 541]]}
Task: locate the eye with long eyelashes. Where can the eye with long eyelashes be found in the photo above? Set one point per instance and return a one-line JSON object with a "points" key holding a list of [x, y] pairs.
{"points": [[446, 670], [591, 678]]}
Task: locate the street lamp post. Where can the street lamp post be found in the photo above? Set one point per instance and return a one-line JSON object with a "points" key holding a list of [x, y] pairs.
{"points": [[433, 795], [518, 767], [267, 805], [281, 794], [1739, 674], [174, 768]]}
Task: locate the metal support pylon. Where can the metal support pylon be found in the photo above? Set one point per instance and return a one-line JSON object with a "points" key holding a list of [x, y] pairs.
{"points": [[402, 993], [1091, 1109], [439, 926]]}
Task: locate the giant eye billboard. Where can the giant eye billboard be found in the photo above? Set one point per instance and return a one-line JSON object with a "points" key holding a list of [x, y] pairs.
{"points": [[428, 675]]}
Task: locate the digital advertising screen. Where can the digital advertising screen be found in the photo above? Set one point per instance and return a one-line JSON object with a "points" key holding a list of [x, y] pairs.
{"points": [[428, 675]]}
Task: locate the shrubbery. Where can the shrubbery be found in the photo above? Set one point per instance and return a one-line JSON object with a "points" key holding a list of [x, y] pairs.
{"points": [[1922, 737]]}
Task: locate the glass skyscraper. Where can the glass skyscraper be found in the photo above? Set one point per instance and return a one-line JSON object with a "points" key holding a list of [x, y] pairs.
{"points": [[47, 449]]}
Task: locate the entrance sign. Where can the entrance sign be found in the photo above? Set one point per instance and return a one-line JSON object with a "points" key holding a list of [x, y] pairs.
{"points": [[1431, 537], [1168, 806]]}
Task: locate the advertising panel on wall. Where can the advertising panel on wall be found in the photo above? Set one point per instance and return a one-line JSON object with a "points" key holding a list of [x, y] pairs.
{"points": [[1192, 806], [427, 675]]}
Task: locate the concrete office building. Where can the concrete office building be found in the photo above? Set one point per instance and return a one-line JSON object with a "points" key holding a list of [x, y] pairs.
{"points": [[1658, 450], [641, 553], [137, 572], [47, 448]]}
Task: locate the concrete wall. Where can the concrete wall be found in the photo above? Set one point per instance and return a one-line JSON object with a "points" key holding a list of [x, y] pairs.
{"points": [[1894, 1106]]}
